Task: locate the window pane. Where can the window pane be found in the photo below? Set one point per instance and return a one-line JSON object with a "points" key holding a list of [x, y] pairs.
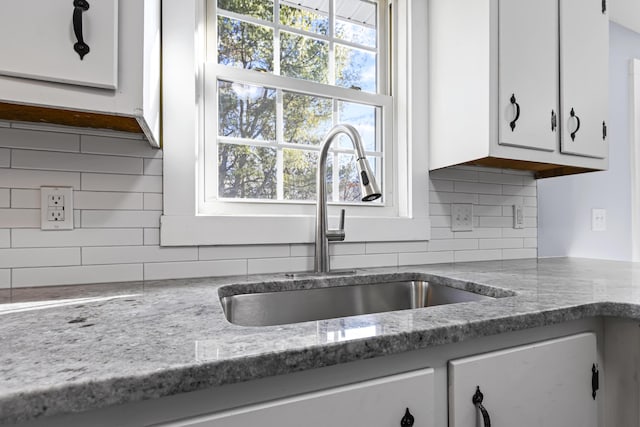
{"points": [[307, 119], [304, 57], [304, 19], [244, 45], [262, 9], [246, 172], [246, 111], [349, 181], [363, 117], [300, 174], [356, 22], [356, 68]]}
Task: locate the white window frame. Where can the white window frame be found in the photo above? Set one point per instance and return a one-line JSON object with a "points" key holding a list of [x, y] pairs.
{"points": [[183, 224]]}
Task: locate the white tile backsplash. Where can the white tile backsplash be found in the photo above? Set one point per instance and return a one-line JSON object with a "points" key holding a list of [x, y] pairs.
{"points": [[118, 202]]}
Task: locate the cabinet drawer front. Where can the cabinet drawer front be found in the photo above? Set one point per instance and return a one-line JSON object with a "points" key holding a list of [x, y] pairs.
{"points": [[376, 403], [543, 384], [41, 42]]}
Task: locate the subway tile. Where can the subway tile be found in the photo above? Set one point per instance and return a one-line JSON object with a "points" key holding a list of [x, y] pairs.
{"points": [[118, 147], [107, 200], [39, 140], [485, 199], [519, 253], [5, 238], [153, 201], [152, 236], [518, 172], [530, 222], [530, 242], [512, 190], [530, 211], [507, 211], [500, 178], [153, 166], [441, 221], [454, 174], [452, 244], [5, 158], [38, 257], [519, 232], [341, 248], [120, 219], [77, 219], [436, 209], [25, 199], [395, 247], [24, 277], [484, 210], [446, 197], [530, 201], [417, 258], [441, 233], [127, 183], [501, 243], [496, 221], [363, 261], [180, 270], [478, 255], [4, 124], [477, 188], [479, 233], [243, 252], [52, 128], [5, 198], [279, 265], [35, 238], [5, 281], [47, 160], [137, 254], [21, 178], [299, 249], [20, 218], [440, 185]]}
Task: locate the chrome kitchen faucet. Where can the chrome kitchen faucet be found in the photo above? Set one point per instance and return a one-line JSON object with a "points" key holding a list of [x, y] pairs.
{"points": [[370, 192]]}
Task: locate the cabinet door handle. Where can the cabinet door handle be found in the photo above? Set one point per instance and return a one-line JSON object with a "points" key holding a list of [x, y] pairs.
{"points": [[573, 134], [477, 399], [513, 122], [554, 121], [79, 6], [407, 420]]}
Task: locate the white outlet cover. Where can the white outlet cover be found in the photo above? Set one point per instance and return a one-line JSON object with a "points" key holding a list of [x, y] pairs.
{"points": [[462, 217], [64, 202], [598, 220]]}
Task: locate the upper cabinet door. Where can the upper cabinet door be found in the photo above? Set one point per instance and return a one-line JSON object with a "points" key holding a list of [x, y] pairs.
{"points": [[37, 41], [528, 73], [584, 47]]}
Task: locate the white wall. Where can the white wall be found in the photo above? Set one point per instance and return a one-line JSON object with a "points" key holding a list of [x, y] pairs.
{"points": [[565, 203], [118, 202]]}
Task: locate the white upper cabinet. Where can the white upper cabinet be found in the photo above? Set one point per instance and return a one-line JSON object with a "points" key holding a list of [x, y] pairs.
{"points": [[74, 42], [528, 49], [584, 72], [503, 78], [116, 85]]}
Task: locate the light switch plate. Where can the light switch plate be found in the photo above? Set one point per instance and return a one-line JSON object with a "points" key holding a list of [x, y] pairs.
{"points": [[462, 217], [56, 208], [518, 216]]}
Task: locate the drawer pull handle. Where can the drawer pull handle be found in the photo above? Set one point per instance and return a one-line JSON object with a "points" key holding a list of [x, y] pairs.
{"points": [[513, 102], [79, 6], [477, 399], [573, 134], [407, 420], [554, 121]]}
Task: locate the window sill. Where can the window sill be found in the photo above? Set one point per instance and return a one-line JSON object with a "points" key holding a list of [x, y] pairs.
{"points": [[245, 230]]}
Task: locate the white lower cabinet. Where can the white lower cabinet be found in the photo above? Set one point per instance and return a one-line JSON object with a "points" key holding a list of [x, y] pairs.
{"points": [[381, 402], [543, 384]]}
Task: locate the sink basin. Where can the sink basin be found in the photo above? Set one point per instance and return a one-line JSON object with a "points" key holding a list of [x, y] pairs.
{"points": [[283, 307]]}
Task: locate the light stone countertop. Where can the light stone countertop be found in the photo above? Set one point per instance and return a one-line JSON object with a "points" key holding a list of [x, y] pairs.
{"points": [[76, 348]]}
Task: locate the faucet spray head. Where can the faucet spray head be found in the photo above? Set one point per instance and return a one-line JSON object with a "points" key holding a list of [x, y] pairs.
{"points": [[368, 184]]}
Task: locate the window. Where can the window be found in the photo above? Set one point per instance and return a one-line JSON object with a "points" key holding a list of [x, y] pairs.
{"points": [[243, 118], [280, 75]]}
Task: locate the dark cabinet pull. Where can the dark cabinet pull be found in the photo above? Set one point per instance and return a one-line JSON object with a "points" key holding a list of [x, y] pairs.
{"points": [[407, 420], [604, 131], [79, 6], [595, 381], [513, 122], [477, 399], [554, 121], [573, 134]]}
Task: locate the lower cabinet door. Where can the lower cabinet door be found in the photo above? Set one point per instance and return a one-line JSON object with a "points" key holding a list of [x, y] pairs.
{"points": [[543, 384], [398, 400]]}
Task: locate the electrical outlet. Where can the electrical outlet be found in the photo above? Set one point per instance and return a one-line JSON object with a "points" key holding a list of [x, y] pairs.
{"points": [[518, 216], [56, 208], [462, 217], [598, 220]]}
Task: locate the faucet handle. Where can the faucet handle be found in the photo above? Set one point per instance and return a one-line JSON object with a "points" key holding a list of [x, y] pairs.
{"points": [[337, 235]]}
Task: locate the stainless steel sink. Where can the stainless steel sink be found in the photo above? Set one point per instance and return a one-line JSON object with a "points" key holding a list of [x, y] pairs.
{"points": [[282, 307]]}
